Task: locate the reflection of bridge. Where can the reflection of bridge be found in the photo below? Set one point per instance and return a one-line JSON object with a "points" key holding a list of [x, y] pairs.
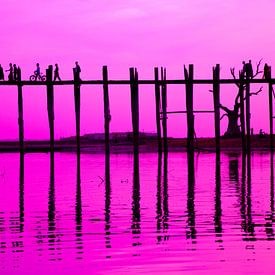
{"points": [[241, 182], [160, 83]]}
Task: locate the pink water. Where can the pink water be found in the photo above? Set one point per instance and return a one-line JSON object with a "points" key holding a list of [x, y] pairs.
{"points": [[57, 217]]}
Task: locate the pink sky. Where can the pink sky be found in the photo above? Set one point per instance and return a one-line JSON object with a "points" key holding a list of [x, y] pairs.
{"points": [[121, 34]]}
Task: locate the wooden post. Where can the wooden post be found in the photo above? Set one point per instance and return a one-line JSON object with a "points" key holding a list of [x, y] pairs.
{"points": [[50, 104], [247, 101], [164, 109], [270, 95], [216, 97], [189, 75], [107, 115], [77, 107], [157, 98], [242, 116], [134, 107], [20, 111]]}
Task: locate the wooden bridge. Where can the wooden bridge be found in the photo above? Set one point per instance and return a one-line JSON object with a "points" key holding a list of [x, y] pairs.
{"points": [[160, 83]]}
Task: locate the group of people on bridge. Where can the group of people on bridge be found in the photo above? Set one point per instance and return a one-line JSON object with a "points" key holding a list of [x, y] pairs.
{"points": [[13, 74]]}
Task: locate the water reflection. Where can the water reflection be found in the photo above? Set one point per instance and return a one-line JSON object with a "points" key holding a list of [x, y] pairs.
{"points": [[162, 209], [107, 204], [136, 228], [233, 191], [218, 203], [191, 215], [78, 211]]}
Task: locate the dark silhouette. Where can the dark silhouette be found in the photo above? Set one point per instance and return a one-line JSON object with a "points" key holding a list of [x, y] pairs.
{"points": [[56, 73], [2, 76], [249, 70], [10, 76], [37, 71], [267, 71], [37, 74], [233, 128], [15, 72], [77, 71]]}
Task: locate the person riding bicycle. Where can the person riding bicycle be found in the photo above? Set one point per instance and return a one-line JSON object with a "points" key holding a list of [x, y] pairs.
{"points": [[37, 72]]}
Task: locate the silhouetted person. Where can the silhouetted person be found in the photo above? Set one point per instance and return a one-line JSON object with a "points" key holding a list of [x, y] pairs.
{"points": [[249, 70], [37, 71], [244, 68], [15, 72], [2, 77], [56, 73], [77, 71], [10, 76], [267, 71]]}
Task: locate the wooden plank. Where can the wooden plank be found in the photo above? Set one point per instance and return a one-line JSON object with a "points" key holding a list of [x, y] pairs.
{"points": [[20, 112], [164, 109], [50, 104], [216, 98], [157, 101], [107, 115], [189, 75], [77, 108]]}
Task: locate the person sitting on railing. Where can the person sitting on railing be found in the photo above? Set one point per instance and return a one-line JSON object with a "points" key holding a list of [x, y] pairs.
{"points": [[2, 77]]}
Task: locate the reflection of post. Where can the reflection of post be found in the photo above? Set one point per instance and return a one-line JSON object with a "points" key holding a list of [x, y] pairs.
{"points": [[270, 218], [234, 168], [165, 196], [50, 104], [51, 206], [107, 202], [250, 225], [21, 192], [136, 230], [243, 193], [78, 210], [20, 112], [191, 198], [218, 207], [159, 199], [157, 98], [77, 108]]}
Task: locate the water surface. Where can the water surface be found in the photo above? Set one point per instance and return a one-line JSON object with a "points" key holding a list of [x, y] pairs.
{"points": [[69, 214]]}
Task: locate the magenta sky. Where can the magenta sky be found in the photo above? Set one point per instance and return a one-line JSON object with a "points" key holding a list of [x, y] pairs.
{"points": [[121, 34]]}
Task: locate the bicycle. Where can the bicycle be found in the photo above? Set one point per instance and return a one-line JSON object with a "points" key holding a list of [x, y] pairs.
{"points": [[40, 77]]}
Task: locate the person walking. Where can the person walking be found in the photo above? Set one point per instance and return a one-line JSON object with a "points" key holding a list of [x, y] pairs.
{"points": [[2, 76], [56, 73], [10, 70], [15, 72]]}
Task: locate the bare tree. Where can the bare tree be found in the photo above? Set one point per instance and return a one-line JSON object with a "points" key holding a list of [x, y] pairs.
{"points": [[233, 115]]}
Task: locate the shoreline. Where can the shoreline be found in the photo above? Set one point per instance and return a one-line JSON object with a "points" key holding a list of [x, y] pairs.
{"points": [[174, 145]]}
